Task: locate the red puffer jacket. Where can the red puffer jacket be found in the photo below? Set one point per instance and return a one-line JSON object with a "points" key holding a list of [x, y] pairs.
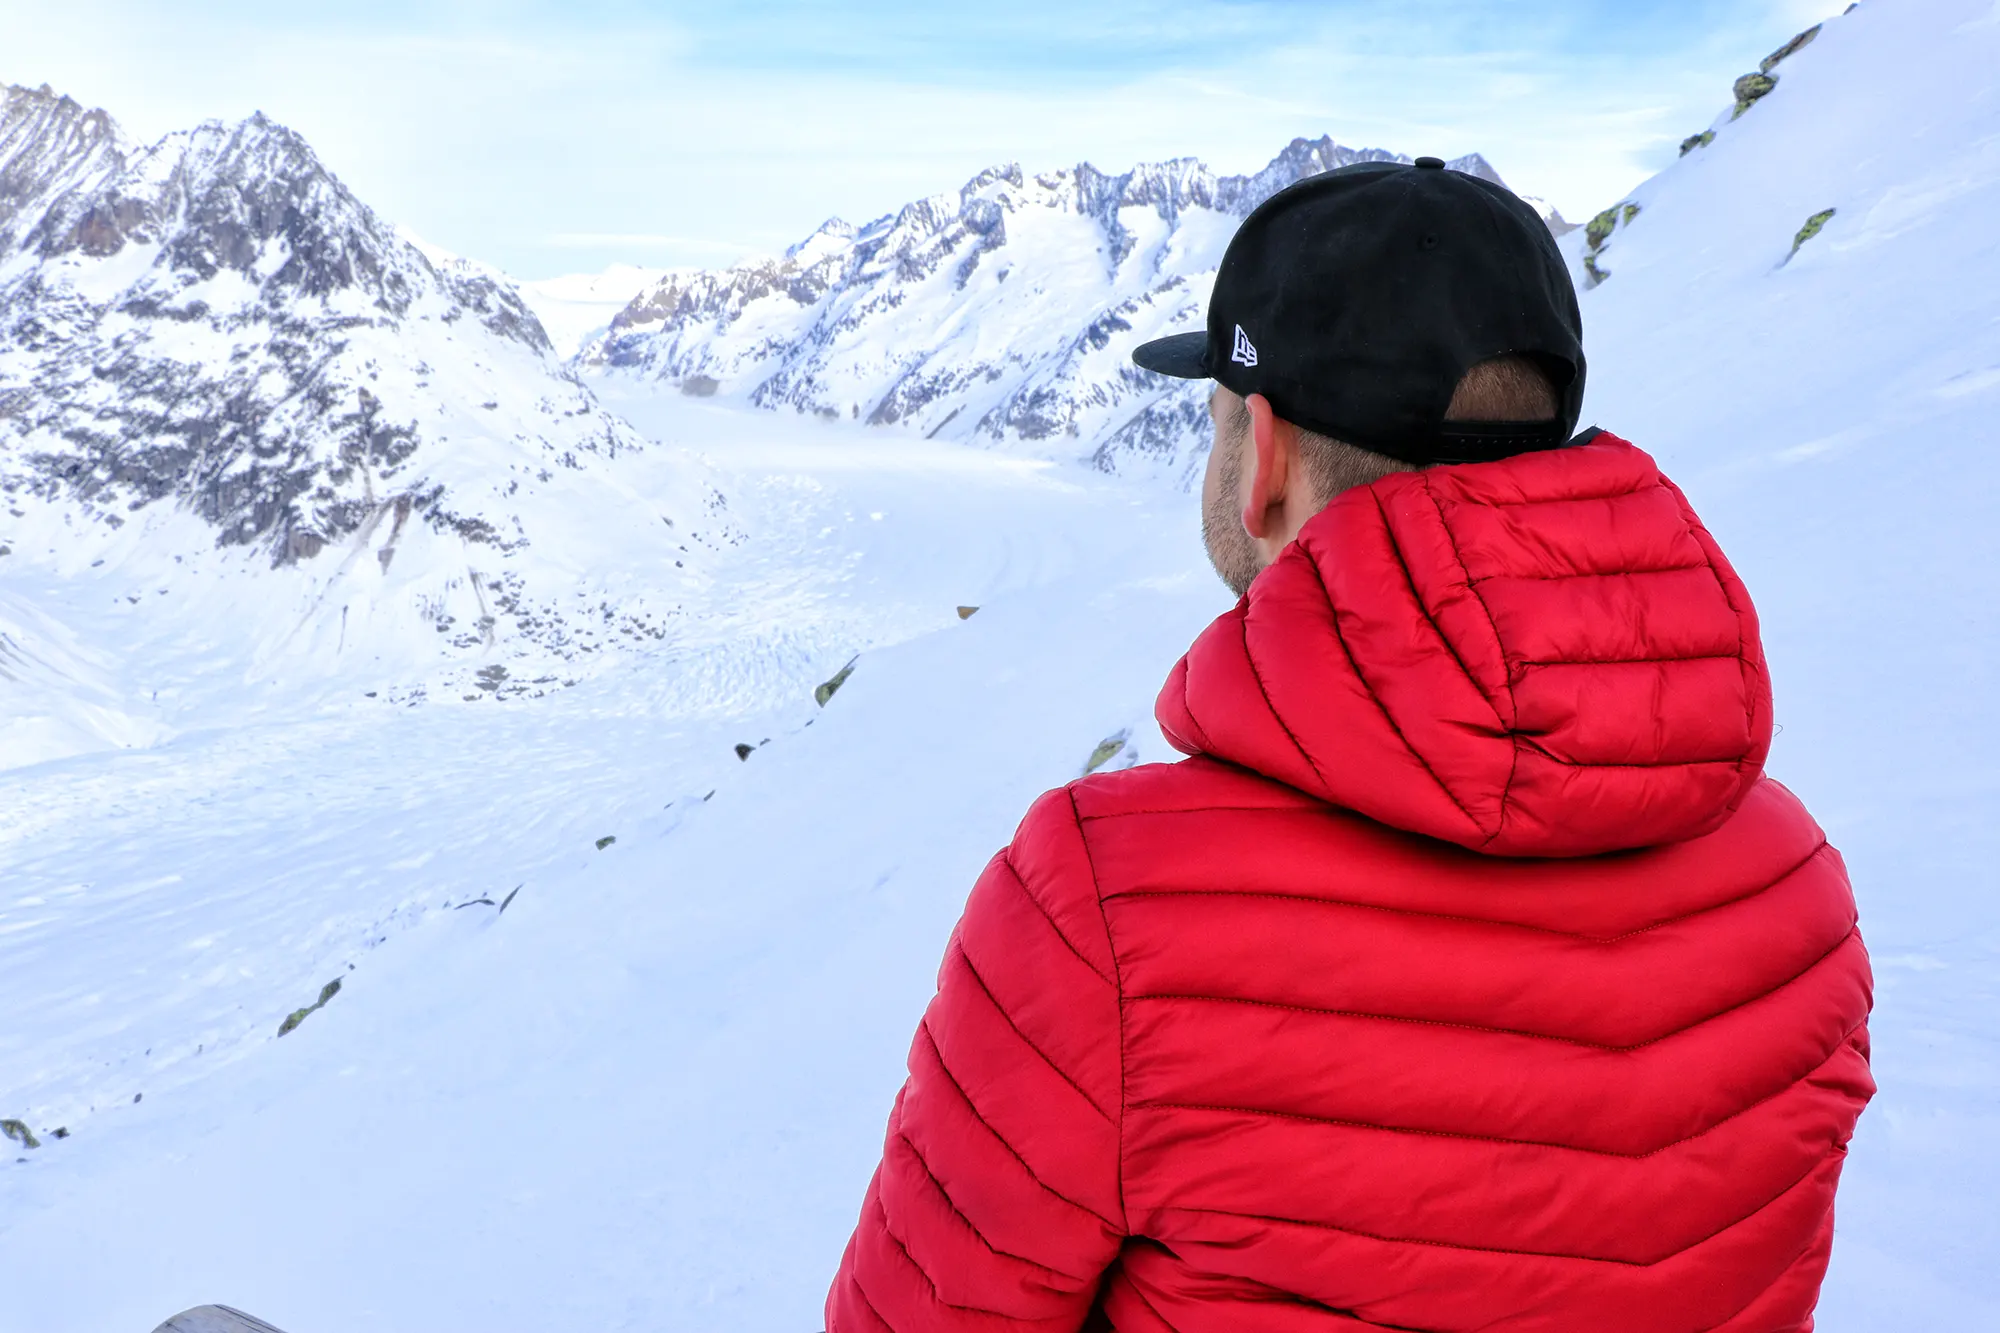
{"points": [[1470, 976]]}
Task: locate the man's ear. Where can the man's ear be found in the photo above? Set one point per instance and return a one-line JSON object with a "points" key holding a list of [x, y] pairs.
{"points": [[1269, 477]]}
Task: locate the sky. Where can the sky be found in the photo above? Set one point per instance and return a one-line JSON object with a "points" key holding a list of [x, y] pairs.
{"points": [[557, 138]]}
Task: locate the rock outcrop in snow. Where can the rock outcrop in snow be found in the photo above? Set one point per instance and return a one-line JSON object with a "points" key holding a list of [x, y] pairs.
{"points": [[1003, 313]]}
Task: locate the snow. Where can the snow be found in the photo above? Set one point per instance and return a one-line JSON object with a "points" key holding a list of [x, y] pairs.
{"points": [[648, 1094]]}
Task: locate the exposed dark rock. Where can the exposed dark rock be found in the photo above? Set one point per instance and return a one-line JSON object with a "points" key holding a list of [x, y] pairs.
{"points": [[1811, 229], [827, 689], [1598, 230], [1107, 750], [1749, 89], [1769, 62], [298, 1016]]}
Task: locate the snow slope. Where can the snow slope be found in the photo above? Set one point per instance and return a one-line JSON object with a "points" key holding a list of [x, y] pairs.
{"points": [[656, 1073], [648, 1094], [1832, 417]]}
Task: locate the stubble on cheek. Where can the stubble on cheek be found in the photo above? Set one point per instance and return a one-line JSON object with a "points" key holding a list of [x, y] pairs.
{"points": [[1229, 546]]}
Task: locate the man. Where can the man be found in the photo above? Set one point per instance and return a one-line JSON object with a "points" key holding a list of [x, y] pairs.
{"points": [[1468, 974]]}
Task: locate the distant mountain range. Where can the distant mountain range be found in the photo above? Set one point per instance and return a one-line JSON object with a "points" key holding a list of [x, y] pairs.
{"points": [[1001, 314]]}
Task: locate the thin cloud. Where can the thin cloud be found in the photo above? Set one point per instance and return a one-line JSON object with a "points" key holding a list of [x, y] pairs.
{"points": [[598, 240], [544, 139]]}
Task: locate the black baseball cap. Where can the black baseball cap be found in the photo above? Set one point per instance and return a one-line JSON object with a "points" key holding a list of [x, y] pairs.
{"points": [[1355, 300]]}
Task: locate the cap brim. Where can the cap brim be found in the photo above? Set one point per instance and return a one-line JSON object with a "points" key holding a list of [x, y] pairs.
{"points": [[1184, 356]]}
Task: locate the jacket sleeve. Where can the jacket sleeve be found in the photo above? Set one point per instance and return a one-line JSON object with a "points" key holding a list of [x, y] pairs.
{"points": [[997, 1204]]}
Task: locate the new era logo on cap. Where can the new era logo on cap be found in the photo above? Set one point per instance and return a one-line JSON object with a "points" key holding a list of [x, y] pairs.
{"points": [[1245, 351]]}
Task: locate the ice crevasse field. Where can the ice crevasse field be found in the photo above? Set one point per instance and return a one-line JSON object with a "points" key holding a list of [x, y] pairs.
{"points": [[648, 1093]]}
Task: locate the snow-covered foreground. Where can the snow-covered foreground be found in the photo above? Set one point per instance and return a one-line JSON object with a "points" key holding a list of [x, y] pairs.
{"points": [[649, 1094]]}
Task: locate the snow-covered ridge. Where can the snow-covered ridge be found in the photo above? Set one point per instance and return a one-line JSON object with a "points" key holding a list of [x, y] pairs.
{"points": [[213, 326], [1003, 313]]}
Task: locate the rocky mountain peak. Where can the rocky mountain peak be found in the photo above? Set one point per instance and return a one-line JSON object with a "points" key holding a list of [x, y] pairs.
{"points": [[49, 145], [214, 325]]}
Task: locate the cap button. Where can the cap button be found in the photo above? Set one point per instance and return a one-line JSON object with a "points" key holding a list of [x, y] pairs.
{"points": [[1431, 163]]}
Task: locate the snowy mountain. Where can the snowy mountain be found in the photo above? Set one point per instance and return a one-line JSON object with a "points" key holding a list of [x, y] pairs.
{"points": [[213, 328], [1005, 312]]}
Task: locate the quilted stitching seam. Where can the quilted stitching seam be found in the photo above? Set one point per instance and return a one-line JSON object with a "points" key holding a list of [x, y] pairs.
{"points": [[1015, 1028], [1822, 849], [1798, 976], [973, 1108], [1513, 702], [1843, 1044]]}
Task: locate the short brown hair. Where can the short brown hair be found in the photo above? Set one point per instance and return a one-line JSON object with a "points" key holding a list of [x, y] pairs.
{"points": [[1501, 388]]}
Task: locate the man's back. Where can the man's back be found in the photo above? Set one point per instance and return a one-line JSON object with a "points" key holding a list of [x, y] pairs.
{"points": [[1470, 978]]}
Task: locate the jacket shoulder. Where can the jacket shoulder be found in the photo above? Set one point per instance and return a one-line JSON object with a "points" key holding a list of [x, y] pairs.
{"points": [[1187, 787], [1052, 853]]}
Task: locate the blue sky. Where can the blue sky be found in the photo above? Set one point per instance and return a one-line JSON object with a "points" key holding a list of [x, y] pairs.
{"points": [[552, 138]]}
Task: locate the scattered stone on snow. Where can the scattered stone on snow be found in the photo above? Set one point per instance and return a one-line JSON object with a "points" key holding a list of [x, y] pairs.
{"points": [[1792, 47], [1598, 230], [965, 612], [1694, 141], [1107, 750], [298, 1016], [1597, 233], [18, 1131], [744, 752], [827, 689], [1749, 88], [1808, 231], [602, 843]]}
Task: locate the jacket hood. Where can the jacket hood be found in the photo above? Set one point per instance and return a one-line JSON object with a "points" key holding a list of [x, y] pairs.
{"points": [[1542, 656]]}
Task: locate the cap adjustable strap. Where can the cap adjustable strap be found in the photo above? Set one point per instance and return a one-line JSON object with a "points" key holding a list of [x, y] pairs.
{"points": [[1489, 441]]}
